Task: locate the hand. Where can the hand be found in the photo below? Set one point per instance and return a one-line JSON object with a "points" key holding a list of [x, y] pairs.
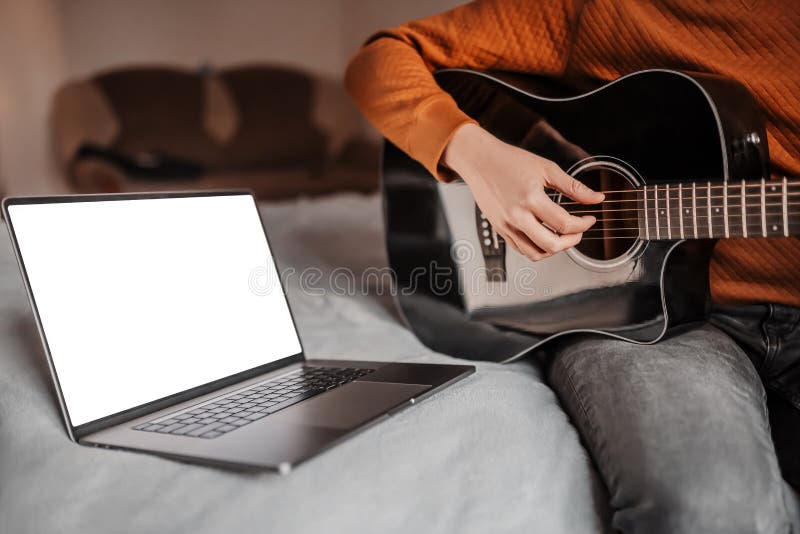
{"points": [[508, 185]]}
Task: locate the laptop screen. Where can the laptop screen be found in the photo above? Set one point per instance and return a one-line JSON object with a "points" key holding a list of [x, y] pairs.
{"points": [[140, 299]]}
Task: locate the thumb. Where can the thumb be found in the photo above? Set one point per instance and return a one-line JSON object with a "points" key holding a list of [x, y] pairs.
{"points": [[574, 189]]}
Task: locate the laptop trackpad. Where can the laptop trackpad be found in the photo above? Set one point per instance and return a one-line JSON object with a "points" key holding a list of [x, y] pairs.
{"points": [[350, 405]]}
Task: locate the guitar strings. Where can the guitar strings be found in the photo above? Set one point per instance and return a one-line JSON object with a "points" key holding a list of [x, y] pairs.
{"points": [[735, 218], [704, 185], [675, 237], [663, 208], [734, 225], [755, 227], [664, 230], [671, 198]]}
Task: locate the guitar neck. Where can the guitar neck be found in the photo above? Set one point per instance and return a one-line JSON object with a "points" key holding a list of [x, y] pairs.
{"points": [[703, 210]]}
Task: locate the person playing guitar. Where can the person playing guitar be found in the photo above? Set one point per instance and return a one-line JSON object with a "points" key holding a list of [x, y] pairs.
{"points": [[679, 430]]}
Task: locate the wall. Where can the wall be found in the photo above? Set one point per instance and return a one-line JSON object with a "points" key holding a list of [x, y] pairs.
{"points": [[367, 16], [45, 42], [298, 32], [32, 65]]}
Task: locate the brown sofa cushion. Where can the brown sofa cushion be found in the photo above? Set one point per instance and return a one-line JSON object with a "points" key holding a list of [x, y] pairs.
{"points": [[161, 111], [274, 107]]}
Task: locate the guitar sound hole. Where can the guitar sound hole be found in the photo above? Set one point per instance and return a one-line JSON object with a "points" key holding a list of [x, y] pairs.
{"points": [[617, 227]]}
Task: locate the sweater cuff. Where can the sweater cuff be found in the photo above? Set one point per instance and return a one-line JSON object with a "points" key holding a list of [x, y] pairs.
{"points": [[435, 122]]}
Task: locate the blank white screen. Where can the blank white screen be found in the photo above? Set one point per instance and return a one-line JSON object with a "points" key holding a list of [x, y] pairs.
{"points": [[141, 299]]}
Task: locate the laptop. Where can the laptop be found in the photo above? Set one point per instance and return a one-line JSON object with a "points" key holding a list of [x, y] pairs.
{"points": [[167, 330]]}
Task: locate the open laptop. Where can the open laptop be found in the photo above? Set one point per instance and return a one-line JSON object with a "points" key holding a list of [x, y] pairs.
{"points": [[167, 331]]}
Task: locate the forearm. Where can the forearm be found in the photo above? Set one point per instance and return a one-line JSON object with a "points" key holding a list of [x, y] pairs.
{"points": [[395, 89], [391, 78]]}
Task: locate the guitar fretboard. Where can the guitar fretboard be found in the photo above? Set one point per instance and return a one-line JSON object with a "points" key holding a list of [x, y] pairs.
{"points": [[703, 210]]}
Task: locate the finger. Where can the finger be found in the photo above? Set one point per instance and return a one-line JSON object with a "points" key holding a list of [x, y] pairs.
{"points": [[574, 189], [546, 239], [559, 219], [523, 245]]}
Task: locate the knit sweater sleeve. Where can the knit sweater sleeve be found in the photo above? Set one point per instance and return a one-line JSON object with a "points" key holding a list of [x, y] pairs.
{"points": [[391, 78]]}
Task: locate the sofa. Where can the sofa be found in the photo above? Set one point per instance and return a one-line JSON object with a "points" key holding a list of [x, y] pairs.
{"points": [[277, 130]]}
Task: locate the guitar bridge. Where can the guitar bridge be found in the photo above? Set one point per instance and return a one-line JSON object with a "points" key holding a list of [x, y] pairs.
{"points": [[493, 248]]}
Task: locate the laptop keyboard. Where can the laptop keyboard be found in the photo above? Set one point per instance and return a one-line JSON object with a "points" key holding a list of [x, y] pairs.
{"points": [[242, 407]]}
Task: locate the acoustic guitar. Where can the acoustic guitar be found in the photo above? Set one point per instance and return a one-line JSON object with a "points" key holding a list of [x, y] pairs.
{"points": [[683, 161]]}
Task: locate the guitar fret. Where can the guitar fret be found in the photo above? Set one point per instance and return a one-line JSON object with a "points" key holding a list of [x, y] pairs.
{"points": [[694, 209], [669, 223], [680, 206], [725, 208], [744, 211], [646, 221], [785, 209], [658, 224], [763, 208], [708, 205]]}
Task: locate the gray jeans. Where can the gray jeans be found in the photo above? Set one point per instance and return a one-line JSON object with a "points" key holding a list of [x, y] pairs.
{"points": [[680, 430]]}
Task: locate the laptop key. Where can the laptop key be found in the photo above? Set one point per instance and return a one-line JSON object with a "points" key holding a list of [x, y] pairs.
{"points": [[226, 428], [293, 400], [229, 419], [203, 429], [212, 434], [187, 428], [171, 428], [241, 422]]}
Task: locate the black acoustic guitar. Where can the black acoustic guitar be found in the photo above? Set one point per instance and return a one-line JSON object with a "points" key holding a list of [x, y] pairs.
{"points": [[683, 161]]}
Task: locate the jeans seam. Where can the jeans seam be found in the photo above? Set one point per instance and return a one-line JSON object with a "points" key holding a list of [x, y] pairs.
{"points": [[775, 472], [600, 456]]}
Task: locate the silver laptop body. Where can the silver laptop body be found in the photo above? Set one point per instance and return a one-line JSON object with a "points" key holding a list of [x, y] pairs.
{"points": [[167, 331]]}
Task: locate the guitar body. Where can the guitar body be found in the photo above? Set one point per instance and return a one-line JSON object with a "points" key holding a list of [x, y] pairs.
{"points": [[465, 293]]}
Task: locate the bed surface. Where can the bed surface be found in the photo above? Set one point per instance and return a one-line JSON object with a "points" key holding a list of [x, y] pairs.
{"points": [[494, 453]]}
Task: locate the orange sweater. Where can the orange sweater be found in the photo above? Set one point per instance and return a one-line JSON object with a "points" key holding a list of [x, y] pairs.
{"points": [[754, 41]]}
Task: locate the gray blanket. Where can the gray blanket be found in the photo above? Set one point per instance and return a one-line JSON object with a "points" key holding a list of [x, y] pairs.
{"points": [[495, 453]]}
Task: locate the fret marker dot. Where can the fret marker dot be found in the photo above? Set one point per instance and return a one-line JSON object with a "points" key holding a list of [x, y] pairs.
{"points": [[774, 227], [662, 212], [687, 211], [773, 188], [487, 242], [716, 210]]}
